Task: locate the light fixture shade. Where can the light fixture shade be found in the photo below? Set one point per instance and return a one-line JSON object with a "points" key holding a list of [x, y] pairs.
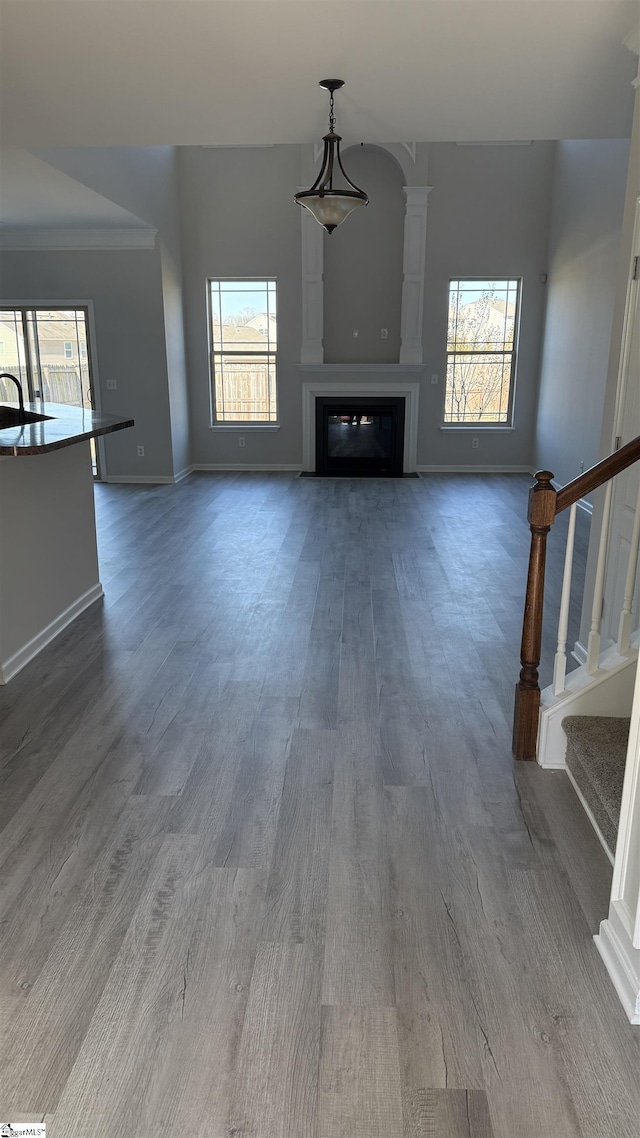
{"points": [[331, 206], [330, 209]]}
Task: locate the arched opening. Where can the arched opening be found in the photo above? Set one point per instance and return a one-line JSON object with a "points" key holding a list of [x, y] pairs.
{"points": [[363, 265]]}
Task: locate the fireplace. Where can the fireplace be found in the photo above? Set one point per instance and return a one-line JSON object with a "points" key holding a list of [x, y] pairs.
{"points": [[360, 436], [338, 384]]}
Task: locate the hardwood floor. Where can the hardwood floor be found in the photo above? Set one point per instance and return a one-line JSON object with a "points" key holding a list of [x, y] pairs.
{"points": [[266, 867]]}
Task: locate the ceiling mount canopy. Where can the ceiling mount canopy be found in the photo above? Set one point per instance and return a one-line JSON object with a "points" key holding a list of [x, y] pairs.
{"points": [[330, 206]]}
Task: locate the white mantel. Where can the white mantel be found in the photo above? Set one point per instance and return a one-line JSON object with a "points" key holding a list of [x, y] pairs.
{"points": [[376, 380]]}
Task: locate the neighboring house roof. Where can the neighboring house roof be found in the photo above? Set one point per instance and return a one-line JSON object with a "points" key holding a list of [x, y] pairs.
{"points": [[47, 329], [261, 319], [260, 329], [243, 335]]}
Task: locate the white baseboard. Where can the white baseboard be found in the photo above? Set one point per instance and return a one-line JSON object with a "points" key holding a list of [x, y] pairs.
{"points": [[473, 469], [150, 479], [14, 664], [623, 968], [141, 479], [582, 502], [254, 466], [579, 652], [170, 480], [589, 813]]}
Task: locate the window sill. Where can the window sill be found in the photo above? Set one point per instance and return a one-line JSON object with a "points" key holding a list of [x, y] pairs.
{"points": [[464, 428], [244, 426]]}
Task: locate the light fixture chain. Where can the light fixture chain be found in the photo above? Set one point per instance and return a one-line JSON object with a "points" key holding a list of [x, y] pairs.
{"points": [[332, 117]]}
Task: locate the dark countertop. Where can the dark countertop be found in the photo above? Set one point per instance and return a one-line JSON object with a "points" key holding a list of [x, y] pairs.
{"points": [[66, 426]]}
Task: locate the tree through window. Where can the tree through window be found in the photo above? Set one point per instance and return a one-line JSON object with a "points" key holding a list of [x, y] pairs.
{"points": [[481, 350]]}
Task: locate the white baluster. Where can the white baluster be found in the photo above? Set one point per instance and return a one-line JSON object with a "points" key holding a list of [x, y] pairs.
{"points": [[560, 664], [624, 631], [593, 644]]}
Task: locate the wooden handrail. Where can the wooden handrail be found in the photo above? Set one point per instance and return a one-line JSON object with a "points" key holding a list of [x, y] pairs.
{"points": [[599, 474], [545, 503]]}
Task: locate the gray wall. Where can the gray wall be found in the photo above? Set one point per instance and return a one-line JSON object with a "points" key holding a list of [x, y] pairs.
{"points": [[239, 219], [632, 193], [126, 288], [363, 265], [586, 218], [488, 216], [141, 179], [48, 557], [144, 180]]}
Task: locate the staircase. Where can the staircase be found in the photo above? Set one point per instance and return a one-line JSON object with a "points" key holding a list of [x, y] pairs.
{"points": [[596, 758], [579, 722]]}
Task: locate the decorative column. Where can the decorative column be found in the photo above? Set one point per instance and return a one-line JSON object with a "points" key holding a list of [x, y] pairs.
{"points": [[415, 244], [312, 351]]}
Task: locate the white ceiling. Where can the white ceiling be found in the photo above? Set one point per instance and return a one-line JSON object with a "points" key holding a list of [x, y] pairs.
{"points": [[189, 72]]}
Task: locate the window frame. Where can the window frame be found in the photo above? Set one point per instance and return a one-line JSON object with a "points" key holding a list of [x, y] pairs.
{"points": [[483, 424], [28, 309], [270, 356]]}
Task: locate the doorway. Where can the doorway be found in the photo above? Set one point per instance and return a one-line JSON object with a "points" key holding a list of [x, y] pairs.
{"points": [[49, 350]]}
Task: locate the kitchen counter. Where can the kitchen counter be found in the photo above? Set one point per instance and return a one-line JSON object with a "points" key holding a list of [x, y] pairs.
{"points": [[63, 426], [48, 553]]}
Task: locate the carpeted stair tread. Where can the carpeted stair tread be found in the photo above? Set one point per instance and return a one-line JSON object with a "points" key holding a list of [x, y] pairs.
{"points": [[596, 757]]}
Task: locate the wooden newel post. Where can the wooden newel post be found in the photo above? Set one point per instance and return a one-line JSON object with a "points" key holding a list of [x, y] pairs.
{"points": [[541, 516]]}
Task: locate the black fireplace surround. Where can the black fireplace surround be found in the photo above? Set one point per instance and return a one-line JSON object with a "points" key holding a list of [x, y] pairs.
{"points": [[360, 436]]}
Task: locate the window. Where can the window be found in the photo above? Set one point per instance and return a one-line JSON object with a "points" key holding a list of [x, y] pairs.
{"points": [[243, 337], [39, 343], [481, 351]]}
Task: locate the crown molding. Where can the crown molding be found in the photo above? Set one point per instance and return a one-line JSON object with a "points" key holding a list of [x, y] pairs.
{"points": [[65, 239], [500, 142]]}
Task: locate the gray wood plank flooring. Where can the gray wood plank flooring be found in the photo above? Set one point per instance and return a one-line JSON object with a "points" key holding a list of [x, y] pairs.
{"points": [[266, 866]]}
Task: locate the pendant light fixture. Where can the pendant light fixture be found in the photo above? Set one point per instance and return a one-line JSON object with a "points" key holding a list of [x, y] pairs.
{"points": [[330, 206]]}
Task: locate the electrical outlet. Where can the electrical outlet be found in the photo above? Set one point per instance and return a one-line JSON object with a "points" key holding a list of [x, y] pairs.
{"points": [[355, 333], [475, 443], [434, 378], [384, 333], [140, 452], [582, 466], [240, 440], [112, 385]]}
